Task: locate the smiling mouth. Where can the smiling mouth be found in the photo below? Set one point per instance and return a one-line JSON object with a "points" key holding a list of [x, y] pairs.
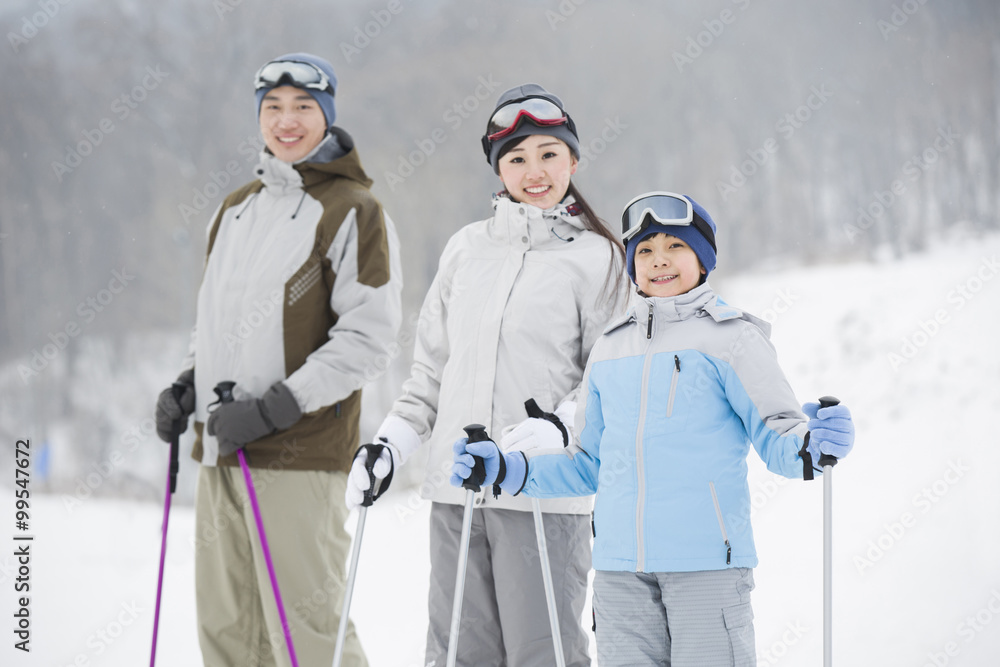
{"points": [[538, 189], [289, 140], [662, 279]]}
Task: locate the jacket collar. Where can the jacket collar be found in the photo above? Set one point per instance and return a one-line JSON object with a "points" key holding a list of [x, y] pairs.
{"points": [[334, 156], [514, 222], [702, 301]]}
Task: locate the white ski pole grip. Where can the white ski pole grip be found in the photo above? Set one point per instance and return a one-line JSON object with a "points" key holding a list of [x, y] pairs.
{"points": [[827, 461], [372, 453]]}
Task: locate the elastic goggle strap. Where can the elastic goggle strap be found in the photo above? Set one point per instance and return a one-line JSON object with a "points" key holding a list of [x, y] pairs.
{"points": [[292, 72], [538, 110]]}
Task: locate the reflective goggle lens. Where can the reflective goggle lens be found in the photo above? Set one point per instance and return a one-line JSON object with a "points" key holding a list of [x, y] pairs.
{"points": [[537, 109], [665, 208], [296, 73]]}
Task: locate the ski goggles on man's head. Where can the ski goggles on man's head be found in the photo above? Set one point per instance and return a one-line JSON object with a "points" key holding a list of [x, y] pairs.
{"points": [[665, 208], [537, 110], [294, 73]]}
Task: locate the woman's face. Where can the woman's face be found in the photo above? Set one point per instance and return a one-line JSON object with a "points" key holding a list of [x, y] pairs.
{"points": [[537, 170]]}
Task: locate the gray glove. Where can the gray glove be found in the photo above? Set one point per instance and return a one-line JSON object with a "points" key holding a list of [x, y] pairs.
{"points": [[239, 422], [172, 414]]}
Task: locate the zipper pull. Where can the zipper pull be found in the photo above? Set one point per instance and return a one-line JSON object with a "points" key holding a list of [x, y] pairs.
{"points": [[649, 323], [729, 553], [677, 363]]}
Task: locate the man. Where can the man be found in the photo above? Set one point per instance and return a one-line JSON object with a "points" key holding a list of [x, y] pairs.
{"points": [[299, 301]]}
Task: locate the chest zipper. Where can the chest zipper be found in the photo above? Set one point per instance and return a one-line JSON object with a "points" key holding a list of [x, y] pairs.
{"points": [[673, 385], [722, 525], [649, 323]]}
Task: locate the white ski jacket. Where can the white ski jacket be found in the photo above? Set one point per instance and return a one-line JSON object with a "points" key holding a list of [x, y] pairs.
{"points": [[518, 301]]}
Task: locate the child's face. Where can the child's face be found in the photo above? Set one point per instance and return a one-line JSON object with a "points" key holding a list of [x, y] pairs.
{"points": [[666, 266]]}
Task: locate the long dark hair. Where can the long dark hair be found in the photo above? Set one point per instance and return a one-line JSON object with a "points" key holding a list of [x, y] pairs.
{"points": [[616, 270], [615, 277]]}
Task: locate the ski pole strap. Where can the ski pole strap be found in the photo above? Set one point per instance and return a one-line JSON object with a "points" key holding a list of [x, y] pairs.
{"points": [[501, 476], [535, 412], [224, 390], [372, 453], [807, 459]]}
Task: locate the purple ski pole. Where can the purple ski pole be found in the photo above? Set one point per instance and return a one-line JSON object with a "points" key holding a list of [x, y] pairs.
{"points": [[178, 390], [225, 392]]}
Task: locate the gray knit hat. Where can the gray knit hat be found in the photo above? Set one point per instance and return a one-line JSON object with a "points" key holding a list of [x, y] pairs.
{"points": [[566, 131], [323, 97]]}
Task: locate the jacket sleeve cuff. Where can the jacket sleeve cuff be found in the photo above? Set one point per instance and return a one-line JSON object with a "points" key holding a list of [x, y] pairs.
{"points": [[398, 432], [517, 473], [280, 407]]}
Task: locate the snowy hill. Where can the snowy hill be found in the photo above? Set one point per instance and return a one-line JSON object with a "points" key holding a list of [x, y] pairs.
{"points": [[909, 346]]}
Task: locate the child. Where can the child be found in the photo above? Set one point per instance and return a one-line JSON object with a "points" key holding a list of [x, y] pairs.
{"points": [[675, 392]]}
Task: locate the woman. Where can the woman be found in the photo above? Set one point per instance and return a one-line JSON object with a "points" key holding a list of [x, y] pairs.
{"points": [[516, 306]]}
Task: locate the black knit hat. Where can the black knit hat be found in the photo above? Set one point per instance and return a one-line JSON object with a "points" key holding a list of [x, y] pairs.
{"points": [[566, 131]]}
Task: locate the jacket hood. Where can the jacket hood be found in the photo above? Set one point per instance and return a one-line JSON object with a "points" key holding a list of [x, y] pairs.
{"points": [[701, 301], [335, 156], [558, 222]]}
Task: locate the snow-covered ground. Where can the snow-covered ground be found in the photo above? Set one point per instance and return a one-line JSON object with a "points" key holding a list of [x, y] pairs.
{"points": [[910, 346]]}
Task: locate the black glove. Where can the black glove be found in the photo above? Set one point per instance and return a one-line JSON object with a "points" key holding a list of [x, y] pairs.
{"points": [[236, 423], [172, 414]]}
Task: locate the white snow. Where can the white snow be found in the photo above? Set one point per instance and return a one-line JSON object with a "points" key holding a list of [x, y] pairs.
{"points": [[916, 504]]}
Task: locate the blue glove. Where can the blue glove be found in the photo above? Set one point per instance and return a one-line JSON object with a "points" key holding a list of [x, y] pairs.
{"points": [[515, 465], [831, 430]]}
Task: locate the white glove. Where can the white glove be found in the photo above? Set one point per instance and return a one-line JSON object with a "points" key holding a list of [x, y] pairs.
{"points": [[358, 481], [535, 433], [400, 441]]}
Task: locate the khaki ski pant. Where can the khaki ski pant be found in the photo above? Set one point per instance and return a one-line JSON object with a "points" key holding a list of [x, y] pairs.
{"points": [[505, 619], [303, 514]]}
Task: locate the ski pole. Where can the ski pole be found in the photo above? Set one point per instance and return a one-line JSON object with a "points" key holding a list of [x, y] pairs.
{"points": [[178, 390], [543, 556], [225, 392], [550, 594], [476, 433], [827, 461], [372, 453]]}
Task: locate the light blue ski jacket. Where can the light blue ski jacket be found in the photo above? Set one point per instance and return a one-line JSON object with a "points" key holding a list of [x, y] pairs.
{"points": [[676, 392]]}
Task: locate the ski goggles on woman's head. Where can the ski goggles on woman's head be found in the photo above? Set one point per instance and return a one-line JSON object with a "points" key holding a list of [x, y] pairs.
{"points": [[537, 110], [665, 208], [294, 73]]}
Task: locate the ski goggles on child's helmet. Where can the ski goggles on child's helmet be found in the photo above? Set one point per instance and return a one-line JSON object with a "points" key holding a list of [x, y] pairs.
{"points": [[537, 110], [294, 73], [666, 208]]}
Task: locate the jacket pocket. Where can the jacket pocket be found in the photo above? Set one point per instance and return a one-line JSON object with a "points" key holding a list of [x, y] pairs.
{"points": [[722, 524], [739, 628]]}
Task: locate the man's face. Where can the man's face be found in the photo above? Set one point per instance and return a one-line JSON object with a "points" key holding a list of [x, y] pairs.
{"points": [[291, 122]]}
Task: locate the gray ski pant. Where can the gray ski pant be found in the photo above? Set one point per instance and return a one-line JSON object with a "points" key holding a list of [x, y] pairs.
{"points": [[505, 619], [675, 619]]}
